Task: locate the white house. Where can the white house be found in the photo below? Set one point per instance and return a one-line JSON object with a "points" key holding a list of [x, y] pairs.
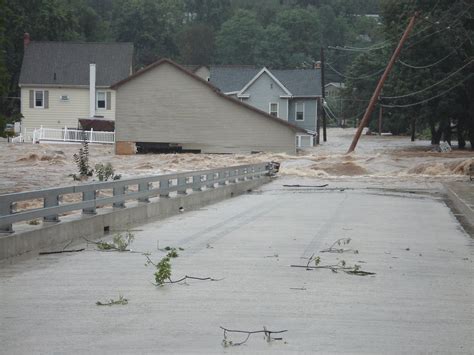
{"points": [[63, 82]]}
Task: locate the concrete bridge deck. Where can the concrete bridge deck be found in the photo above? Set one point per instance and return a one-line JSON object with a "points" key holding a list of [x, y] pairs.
{"points": [[419, 301]]}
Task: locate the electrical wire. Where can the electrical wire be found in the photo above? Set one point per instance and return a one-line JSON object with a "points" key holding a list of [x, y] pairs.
{"points": [[431, 86], [431, 98], [354, 77], [432, 64]]}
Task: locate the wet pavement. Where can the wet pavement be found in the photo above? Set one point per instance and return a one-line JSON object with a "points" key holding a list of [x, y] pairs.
{"points": [[420, 299]]}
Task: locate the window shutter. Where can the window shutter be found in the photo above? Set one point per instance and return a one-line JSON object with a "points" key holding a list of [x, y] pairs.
{"points": [[109, 100], [46, 99], [32, 98]]}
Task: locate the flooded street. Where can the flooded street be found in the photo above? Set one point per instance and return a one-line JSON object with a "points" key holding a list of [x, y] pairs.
{"points": [[377, 159]]}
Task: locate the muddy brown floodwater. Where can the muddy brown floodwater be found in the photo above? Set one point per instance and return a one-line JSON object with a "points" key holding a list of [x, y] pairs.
{"points": [[26, 167]]}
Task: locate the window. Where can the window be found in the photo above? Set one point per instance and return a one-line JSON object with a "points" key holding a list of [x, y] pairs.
{"points": [[299, 111], [274, 109], [101, 100], [39, 99]]}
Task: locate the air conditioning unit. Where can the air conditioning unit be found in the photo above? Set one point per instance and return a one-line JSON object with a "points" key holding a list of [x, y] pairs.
{"points": [[64, 98]]}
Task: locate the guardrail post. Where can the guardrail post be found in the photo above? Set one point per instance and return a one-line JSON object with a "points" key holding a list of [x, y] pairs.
{"points": [[164, 188], [88, 196], [119, 191], [145, 186], [222, 175], [210, 181], [197, 183], [51, 201], [232, 179], [5, 210], [182, 186]]}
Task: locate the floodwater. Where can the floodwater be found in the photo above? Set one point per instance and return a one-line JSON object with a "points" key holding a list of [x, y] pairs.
{"points": [[383, 159]]}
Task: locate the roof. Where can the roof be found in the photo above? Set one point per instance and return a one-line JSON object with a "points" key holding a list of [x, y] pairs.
{"points": [[231, 78], [212, 87], [67, 63], [300, 82], [97, 124], [337, 85]]}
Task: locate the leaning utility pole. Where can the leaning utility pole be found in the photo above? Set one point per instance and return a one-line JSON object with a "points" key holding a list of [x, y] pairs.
{"points": [[323, 95], [378, 89]]}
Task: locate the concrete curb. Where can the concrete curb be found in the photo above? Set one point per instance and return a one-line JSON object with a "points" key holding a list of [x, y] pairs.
{"points": [[78, 226], [461, 201]]}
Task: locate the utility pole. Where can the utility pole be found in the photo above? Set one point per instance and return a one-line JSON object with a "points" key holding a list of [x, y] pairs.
{"points": [[380, 119], [323, 84], [378, 89]]}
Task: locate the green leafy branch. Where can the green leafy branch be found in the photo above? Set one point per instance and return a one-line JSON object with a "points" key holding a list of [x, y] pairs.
{"points": [[121, 301], [340, 266], [163, 270], [119, 242], [339, 242]]}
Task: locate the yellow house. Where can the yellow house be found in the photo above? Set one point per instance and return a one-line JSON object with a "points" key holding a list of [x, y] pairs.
{"points": [[62, 82]]}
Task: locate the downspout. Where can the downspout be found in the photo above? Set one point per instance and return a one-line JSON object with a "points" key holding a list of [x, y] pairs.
{"points": [[92, 74]]}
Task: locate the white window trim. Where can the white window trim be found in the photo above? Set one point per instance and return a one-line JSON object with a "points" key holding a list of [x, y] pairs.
{"points": [[296, 111], [277, 110], [34, 98], [265, 70], [97, 100]]}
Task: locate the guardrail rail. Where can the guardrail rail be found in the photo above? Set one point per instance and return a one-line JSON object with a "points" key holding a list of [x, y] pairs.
{"points": [[140, 189]]}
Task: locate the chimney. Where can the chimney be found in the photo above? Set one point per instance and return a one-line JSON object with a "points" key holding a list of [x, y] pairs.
{"points": [[26, 39], [317, 65], [91, 90]]}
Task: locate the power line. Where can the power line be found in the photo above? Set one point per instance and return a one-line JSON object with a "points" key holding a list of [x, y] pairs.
{"points": [[431, 98], [429, 87], [353, 77], [432, 64]]}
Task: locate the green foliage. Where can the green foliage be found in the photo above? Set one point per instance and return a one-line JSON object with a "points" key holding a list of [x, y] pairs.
{"points": [[82, 161], [120, 242], [106, 172], [238, 38], [163, 271], [121, 301]]}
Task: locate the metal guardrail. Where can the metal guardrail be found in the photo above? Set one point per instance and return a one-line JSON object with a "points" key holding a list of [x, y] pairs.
{"points": [[91, 200]]}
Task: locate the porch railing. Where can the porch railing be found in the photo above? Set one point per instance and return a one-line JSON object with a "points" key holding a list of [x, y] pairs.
{"points": [[72, 135]]}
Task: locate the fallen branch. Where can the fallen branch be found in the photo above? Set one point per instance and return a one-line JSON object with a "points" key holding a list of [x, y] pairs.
{"points": [[122, 301], [268, 335], [62, 251], [343, 241], [340, 266], [306, 185], [186, 277], [163, 271]]}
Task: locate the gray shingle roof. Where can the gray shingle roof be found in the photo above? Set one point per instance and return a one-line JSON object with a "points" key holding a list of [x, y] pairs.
{"points": [[231, 78], [70, 62], [300, 82]]}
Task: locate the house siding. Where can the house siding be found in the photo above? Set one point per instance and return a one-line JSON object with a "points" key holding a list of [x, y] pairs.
{"points": [[165, 105], [310, 110], [265, 90], [61, 114]]}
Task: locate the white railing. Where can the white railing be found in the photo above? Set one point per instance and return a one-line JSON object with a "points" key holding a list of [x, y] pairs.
{"points": [[72, 135]]}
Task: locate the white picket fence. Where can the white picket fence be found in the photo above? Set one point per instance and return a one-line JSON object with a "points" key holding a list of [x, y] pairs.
{"points": [[72, 135]]}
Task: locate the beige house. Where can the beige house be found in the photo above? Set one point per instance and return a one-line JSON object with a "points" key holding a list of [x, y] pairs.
{"points": [[62, 82], [165, 106]]}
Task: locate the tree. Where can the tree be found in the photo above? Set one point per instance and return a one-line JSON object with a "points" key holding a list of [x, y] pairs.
{"points": [[152, 25], [272, 50], [423, 90], [238, 38], [302, 27], [196, 44]]}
